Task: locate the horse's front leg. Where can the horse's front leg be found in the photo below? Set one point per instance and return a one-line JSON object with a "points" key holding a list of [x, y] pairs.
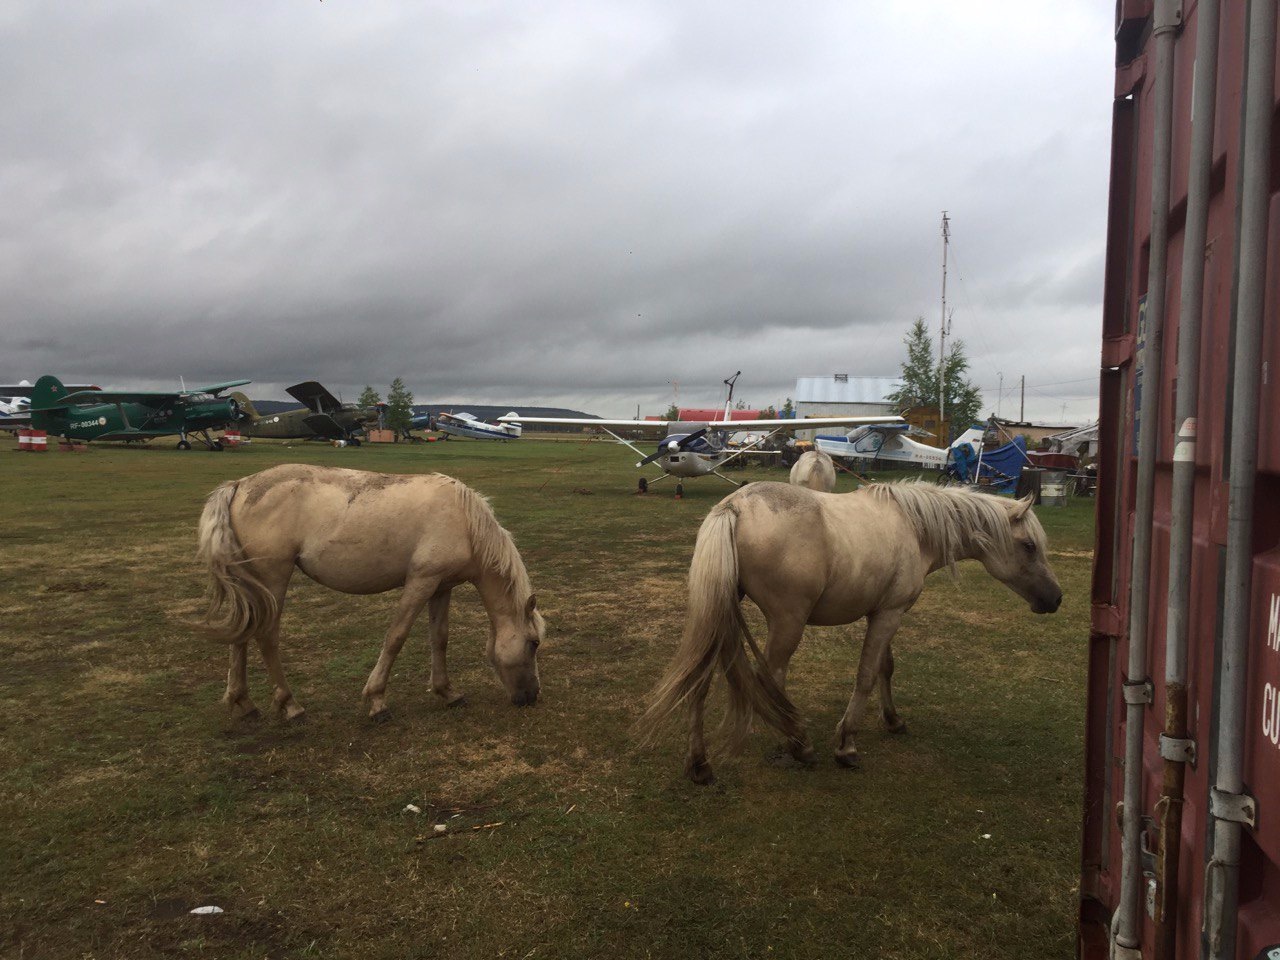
{"points": [[893, 722], [438, 631], [416, 594], [881, 626]]}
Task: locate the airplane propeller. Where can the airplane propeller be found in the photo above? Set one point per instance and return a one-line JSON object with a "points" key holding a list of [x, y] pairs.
{"points": [[673, 446]]}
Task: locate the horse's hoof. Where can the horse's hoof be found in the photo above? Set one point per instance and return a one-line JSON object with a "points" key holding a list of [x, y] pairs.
{"points": [[459, 701], [240, 714], [295, 715], [700, 773], [803, 755], [380, 716], [850, 761], [895, 724]]}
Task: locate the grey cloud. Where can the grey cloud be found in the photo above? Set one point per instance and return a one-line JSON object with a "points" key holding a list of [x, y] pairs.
{"points": [[573, 203]]}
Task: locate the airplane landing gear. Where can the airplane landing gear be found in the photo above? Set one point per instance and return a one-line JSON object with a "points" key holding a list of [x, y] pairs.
{"points": [[184, 444], [209, 442], [642, 486], [679, 491], [353, 441]]}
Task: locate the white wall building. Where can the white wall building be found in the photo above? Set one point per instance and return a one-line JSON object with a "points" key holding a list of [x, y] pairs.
{"points": [[842, 395]]}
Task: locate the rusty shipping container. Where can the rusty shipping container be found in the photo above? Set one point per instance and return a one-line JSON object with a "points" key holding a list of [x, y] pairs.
{"points": [[1181, 842]]}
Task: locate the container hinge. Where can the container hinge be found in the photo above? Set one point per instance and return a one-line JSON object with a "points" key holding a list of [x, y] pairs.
{"points": [[1168, 15], [1139, 691], [1236, 807], [1148, 854], [1180, 749]]}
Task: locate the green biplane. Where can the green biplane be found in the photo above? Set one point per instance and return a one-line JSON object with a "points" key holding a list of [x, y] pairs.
{"points": [[122, 415]]}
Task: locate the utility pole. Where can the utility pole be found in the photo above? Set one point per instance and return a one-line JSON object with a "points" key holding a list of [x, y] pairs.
{"points": [[944, 325], [1022, 405], [1000, 395]]}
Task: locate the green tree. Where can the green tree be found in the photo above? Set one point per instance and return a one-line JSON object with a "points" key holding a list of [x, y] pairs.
{"points": [[919, 371], [673, 413], [920, 379], [964, 400], [788, 411], [399, 407], [369, 397], [769, 413]]}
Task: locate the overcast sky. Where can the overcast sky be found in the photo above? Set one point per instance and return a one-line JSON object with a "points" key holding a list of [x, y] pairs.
{"points": [[557, 203]]}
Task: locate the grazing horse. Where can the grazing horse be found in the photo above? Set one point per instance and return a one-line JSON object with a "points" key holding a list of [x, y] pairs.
{"points": [[814, 470], [829, 559], [361, 532]]}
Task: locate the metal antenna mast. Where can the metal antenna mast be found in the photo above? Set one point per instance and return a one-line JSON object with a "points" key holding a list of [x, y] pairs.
{"points": [[945, 326]]}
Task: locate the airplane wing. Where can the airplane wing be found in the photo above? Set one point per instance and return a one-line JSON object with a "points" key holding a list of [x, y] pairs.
{"points": [[26, 389], [120, 396], [312, 394], [589, 422], [216, 388], [811, 423], [323, 425]]}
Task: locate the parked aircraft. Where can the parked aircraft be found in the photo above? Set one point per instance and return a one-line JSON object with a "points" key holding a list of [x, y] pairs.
{"points": [[698, 449], [15, 402], [323, 416], [132, 415], [887, 442], [465, 425]]}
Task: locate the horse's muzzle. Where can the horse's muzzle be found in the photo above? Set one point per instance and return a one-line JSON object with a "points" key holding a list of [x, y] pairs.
{"points": [[525, 698], [1047, 604]]}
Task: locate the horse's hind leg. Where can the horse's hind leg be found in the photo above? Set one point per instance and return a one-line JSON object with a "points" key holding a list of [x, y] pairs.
{"points": [[237, 695], [269, 645], [438, 631], [892, 720], [696, 767], [415, 597], [881, 626], [785, 634]]}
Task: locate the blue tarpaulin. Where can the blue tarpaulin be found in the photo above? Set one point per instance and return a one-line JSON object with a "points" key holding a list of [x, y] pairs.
{"points": [[1003, 465]]}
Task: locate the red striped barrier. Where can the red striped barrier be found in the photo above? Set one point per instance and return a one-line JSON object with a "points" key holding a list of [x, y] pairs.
{"points": [[37, 441]]}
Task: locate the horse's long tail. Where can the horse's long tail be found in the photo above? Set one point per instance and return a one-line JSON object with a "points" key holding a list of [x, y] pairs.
{"points": [[238, 603], [716, 634]]}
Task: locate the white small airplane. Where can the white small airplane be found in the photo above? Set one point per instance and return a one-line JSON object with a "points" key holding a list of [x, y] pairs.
{"points": [[699, 449], [887, 442], [466, 425], [15, 403]]}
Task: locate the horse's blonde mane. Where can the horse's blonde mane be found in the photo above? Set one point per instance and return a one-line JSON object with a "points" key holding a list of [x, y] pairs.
{"points": [[952, 522], [492, 543]]}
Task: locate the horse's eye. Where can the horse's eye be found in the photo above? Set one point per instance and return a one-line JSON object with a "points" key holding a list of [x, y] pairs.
{"points": [[1029, 546], [534, 642]]}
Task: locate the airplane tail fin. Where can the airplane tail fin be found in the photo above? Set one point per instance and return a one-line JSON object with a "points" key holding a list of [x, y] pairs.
{"points": [[47, 412], [246, 406], [970, 437]]}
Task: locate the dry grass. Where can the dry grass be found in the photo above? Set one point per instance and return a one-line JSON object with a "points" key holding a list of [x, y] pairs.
{"points": [[126, 784]]}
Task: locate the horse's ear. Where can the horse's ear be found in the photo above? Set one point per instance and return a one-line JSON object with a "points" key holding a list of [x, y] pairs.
{"points": [[532, 605], [1020, 507]]}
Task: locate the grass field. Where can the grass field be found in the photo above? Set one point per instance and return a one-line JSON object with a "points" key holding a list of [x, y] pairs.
{"points": [[129, 798]]}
